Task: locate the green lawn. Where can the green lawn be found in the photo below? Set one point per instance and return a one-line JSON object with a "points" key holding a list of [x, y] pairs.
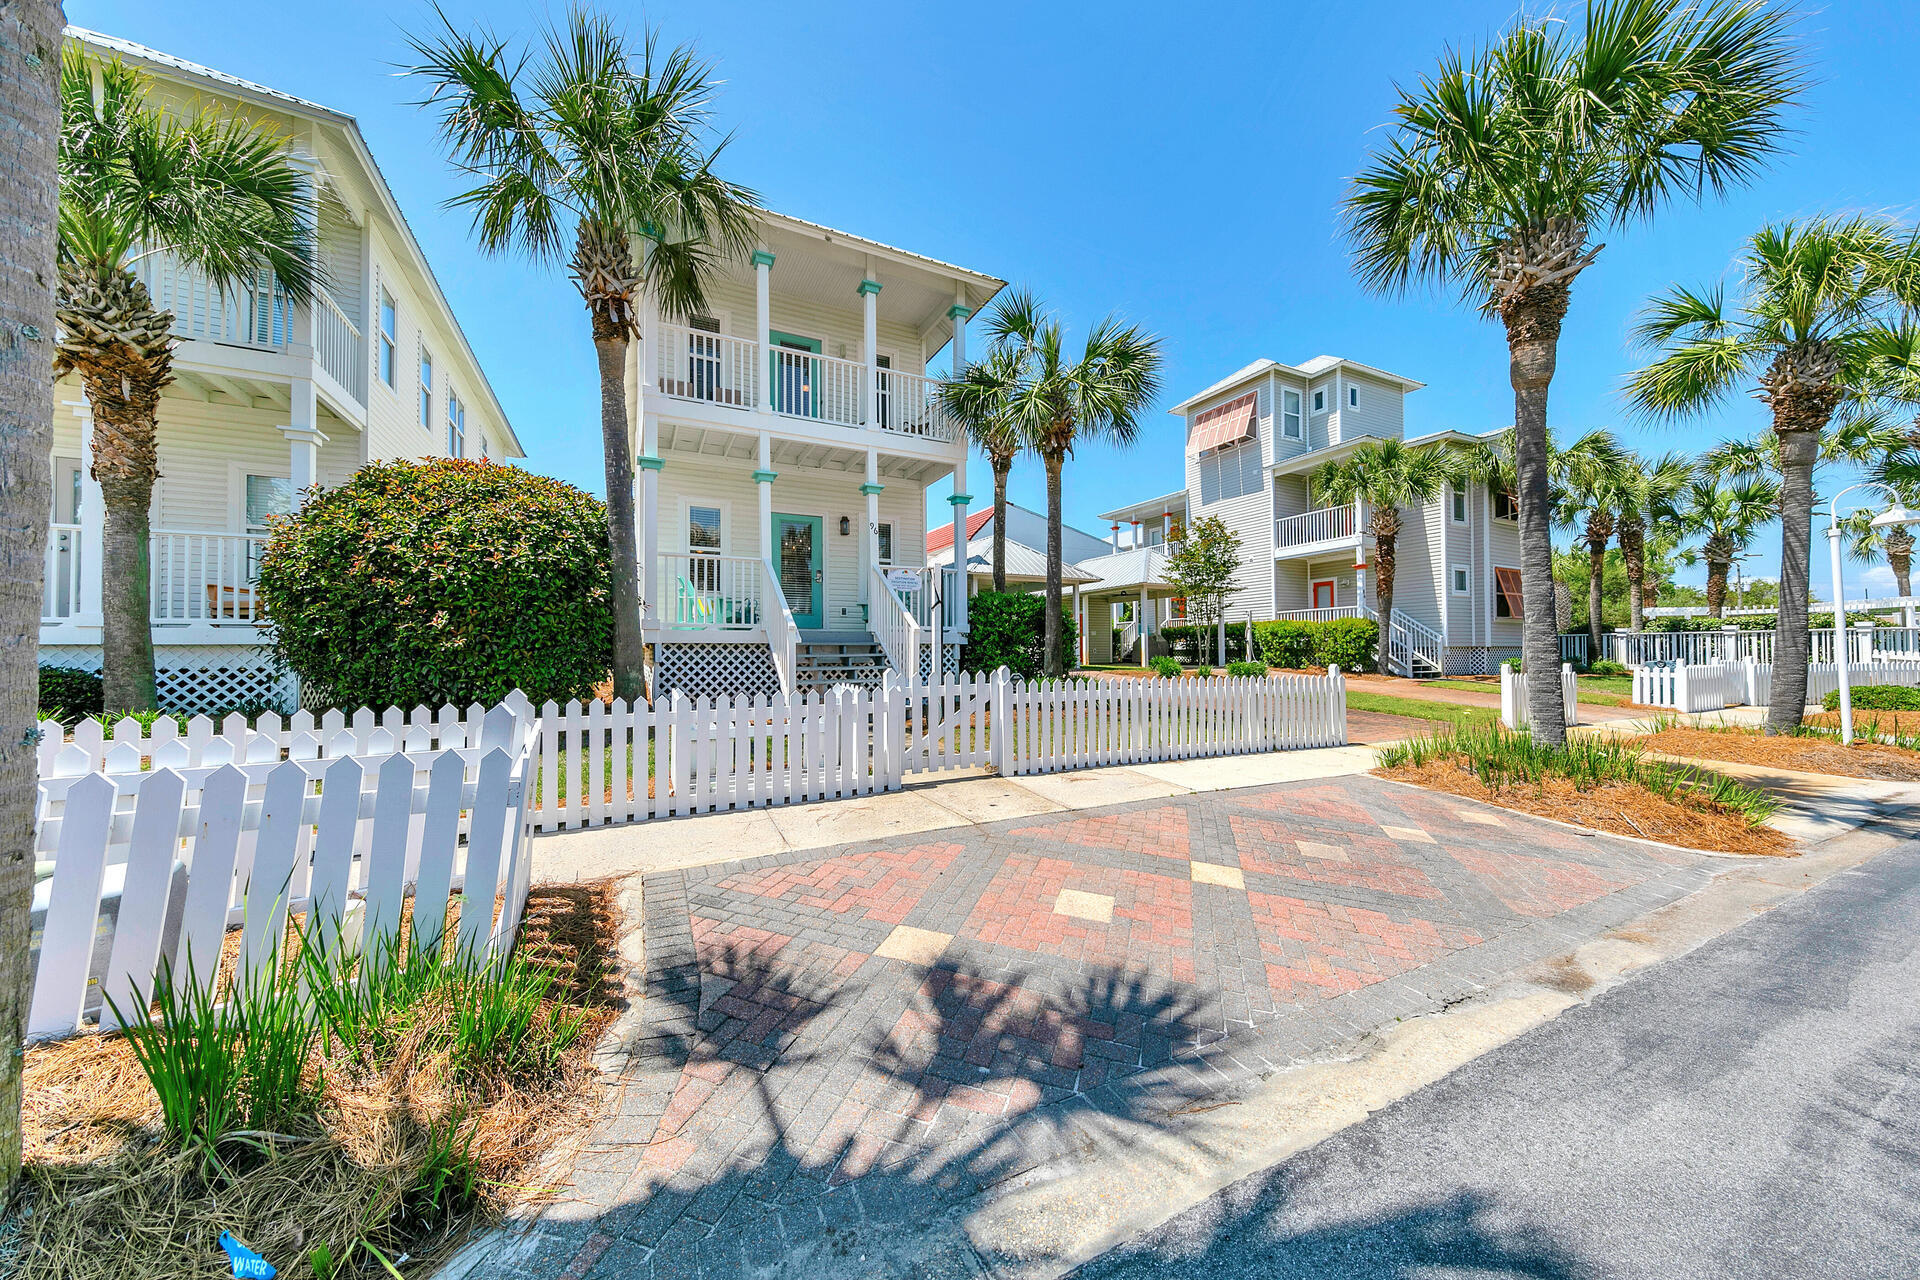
{"points": [[1598, 691], [1445, 712]]}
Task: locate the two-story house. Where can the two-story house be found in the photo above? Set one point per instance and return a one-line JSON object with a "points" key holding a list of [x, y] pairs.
{"points": [[270, 398], [786, 438], [1252, 442]]}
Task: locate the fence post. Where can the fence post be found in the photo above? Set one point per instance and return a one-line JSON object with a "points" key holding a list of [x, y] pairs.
{"points": [[1569, 694], [1511, 699], [1682, 688], [1000, 730], [1339, 684]]}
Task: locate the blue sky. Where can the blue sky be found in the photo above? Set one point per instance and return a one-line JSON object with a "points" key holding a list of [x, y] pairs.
{"points": [[1181, 167]]}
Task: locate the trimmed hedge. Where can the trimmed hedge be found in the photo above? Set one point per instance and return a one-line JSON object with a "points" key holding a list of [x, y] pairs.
{"points": [[1351, 642], [71, 692], [1878, 697], [1008, 629], [442, 581], [1244, 669]]}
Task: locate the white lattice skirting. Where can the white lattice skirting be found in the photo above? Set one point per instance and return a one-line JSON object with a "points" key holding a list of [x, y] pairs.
{"points": [[199, 679], [714, 670]]}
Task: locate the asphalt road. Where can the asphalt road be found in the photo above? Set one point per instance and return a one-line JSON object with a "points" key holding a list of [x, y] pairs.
{"points": [[1749, 1109]]}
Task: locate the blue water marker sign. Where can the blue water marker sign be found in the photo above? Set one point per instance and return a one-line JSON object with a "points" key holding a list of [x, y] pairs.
{"points": [[247, 1265]]}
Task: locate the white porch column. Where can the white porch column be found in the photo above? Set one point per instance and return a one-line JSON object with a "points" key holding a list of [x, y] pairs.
{"points": [[650, 464], [958, 313], [1140, 628], [92, 517], [763, 315], [303, 440], [1079, 627], [1113, 538], [870, 531], [763, 482], [870, 339]]}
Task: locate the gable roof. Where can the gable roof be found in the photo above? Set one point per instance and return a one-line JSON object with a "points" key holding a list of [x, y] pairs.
{"points": [[1317, 367], [940, 537]]}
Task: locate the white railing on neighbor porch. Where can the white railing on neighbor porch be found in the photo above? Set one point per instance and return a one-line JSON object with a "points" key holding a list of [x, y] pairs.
{"points": [[1323, 615], [696, 365], [698, 590], [895, 629], [1323, 525], [60, 599], [205, 577], [1698, 648], [337, 345], [783, 636], [256, 315], [805, 385]]}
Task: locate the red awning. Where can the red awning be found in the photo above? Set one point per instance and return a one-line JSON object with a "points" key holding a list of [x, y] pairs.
{"points": [[1223, 424]]}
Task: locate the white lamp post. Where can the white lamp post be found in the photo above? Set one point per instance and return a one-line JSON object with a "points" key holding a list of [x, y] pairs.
{"points": [[1897, 514]]}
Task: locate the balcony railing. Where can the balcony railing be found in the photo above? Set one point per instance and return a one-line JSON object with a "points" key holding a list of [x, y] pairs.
{"points": [[1321, 615], [258, 314], [1323, 525], [692, 364], [205, 578], [700, 591], [337, 343]]}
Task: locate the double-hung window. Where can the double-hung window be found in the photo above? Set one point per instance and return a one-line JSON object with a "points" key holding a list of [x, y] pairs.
{"points": [[1460, 580], [1458, 499], [1290, 414], [426, 388], [389, 331], [456, 427]]}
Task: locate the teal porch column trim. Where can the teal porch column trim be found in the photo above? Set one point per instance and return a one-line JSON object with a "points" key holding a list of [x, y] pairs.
{"points": [[765, 477], [647, 462], [872, 490], [867, 287], [960, 499], [761, 258], [957, 312]]}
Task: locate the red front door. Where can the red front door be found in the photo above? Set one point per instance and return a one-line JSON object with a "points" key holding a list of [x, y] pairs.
{"points": [[1323, 594]]}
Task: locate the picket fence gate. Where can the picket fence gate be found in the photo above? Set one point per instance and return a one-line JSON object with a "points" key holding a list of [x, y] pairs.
{"points": [[614, 763], [157, 863], [1514, 713]]}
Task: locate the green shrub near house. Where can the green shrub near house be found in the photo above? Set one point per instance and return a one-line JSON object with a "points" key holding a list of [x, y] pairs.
{"points": [[1878, 697], [1165, 666], [71, 692], [1350, 642], [441, 581], [1242, 670], [1008, 629]]}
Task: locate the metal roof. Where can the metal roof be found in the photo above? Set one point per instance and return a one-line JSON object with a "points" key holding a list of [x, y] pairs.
{"points": [[1313, 368]]}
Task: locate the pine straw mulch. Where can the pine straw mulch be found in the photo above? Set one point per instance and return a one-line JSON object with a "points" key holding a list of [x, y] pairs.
{"points": [[1867, 722], [1877, 760], [108, 1201], [1615, 808]]}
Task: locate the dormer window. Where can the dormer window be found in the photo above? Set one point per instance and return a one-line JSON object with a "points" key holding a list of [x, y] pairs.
{"points": [[1320, 401]]}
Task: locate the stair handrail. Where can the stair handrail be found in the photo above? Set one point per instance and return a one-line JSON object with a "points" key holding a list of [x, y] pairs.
{"points": [[1408, 638], [891, 624], [783, 634]]}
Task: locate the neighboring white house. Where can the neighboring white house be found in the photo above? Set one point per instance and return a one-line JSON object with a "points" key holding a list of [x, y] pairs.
{"points": [[1251, 442], [785, 439], [270, 398]]}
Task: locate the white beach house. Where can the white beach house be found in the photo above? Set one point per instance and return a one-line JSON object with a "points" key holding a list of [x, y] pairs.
{"points": [[271, 397]]}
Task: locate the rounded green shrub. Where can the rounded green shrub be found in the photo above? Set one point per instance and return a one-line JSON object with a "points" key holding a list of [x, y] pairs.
{"points": [[1008, 629], [1607, 667], [441, 580], [1878, 697], [1353, 643], [1165, 666], [69, 693], [1244, 669]]}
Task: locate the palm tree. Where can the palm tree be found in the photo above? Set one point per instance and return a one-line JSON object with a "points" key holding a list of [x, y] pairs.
{"points": [[1054, 404], [1502, 166], [1649, 502], [978, 399], [30, 104], [1389, 475], [617, 142], [1725, 514], [1815, 298], [221, 197], [1894, 544], [1594, 487]]}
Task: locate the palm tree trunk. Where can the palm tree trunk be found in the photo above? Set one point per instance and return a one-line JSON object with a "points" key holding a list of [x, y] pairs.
{"points": [[29, 70], [1383, 549], [1787, 693], [1051, 664], [1633, 551], [1533, 334], [629, 658], [1717, 571], [1596, 569], [126, 624], [1001, 468], [1900, 559]]}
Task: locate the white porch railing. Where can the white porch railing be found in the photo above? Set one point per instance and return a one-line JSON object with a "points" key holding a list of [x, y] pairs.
{"points": [[696, 365], [895, 629], [1412, 644], [205, 577], [60, 599], [257, 315], [1322, 615], [909, 404], [1323, 525], [783, 636], [805, 385], [337, 343], [701, 591]]}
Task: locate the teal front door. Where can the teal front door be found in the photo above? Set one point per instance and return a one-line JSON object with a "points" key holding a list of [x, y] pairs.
{"points": [[799, 541]]}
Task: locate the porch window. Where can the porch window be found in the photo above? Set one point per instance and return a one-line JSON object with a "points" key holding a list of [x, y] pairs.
{"points": [[1460, 580], [883, 396], [1506, 505], [1506, 595], [266, 497], [703, 540], [883, 541], [389, 328], [1290, 414], [426, 388], [456, 427], [703, 357]]}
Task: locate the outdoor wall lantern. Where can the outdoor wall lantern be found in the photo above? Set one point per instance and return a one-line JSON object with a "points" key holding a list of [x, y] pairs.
{"points": [[846, 526]]}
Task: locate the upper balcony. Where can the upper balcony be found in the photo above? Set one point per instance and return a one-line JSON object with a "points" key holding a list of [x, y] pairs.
{"points": [[1310, 530]]}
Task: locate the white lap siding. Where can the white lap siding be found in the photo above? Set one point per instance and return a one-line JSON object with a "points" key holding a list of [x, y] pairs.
{"points": [[1231, 484], [1504, 540], [1416, 585], [799, 491]]}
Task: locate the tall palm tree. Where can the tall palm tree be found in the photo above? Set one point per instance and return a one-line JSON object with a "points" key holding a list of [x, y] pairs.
{"points": [[221, 196], [615, 141], [1650, 500], [1893, 544], [1815, 297], [1594, 487], [978, 399], [1725, 514], [1054, 404], [1502, 167], [1389, 475], [30, 104]]}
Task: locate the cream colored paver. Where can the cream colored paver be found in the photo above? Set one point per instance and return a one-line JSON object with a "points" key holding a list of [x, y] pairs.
{"points": [[1097, 907], [875, 817], [1324, 852], [1484, 819], [661, 845], [915, 946], [1219, 773], [1091, 788], [1214, 873], [987, 799], [1409, 833]]}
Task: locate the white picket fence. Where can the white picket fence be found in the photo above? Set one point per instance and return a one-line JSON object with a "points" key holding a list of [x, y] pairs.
{"points": [[154, 856], [603, 764], [1696, 687], [1513, 696]]}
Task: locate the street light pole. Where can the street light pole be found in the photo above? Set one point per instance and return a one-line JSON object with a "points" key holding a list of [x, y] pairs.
{"points": [[1897, 514]]}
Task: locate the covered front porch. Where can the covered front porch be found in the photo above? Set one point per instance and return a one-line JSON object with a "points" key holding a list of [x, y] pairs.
{"points": [[1134, 584]]}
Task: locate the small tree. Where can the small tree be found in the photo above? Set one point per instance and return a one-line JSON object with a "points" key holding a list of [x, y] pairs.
{"points": [[1389, 476], [450, 580], [1202, 566]]}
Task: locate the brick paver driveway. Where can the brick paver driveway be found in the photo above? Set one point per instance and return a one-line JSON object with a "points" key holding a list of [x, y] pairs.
{"points": [[852, 1037]]}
